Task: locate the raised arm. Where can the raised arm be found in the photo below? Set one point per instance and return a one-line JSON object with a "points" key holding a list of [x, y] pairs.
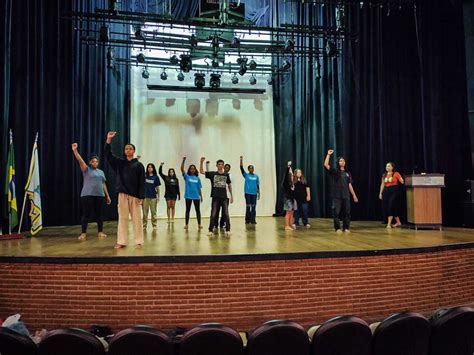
{"points": [[242, 170], [78, 157], [182, 165], [160, 171], [109, 156], [201, 166], [327, 165], [286, 180]]}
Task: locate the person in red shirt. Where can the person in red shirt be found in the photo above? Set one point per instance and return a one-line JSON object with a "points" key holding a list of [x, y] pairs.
{"points": [[389, 194]]}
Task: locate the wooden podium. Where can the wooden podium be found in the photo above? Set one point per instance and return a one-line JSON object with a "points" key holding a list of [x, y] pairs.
{"points": [[424, 200]]}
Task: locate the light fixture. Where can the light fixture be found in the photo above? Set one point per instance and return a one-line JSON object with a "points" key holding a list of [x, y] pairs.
{"points": [[289, 45], [186, 64], [110, 58], [193, 40], [270, 80], [252, 65], [235, 79], [104, 33], [215, 63], [139, 33], [215, 81], [180, 76], [145, 73], [253, 80], [174, 59], [141, 58], [163, 75], [331, 48], [243, 65], [199, 80], [235, 42], [286, 65]]}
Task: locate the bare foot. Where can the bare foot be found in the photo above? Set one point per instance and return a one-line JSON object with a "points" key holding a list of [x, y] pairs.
{"points": [[83, 236], [347, 231], [119, 246], [101, 235], [199, 227], [138, 246], [339, 231], [288, 228], [397, 225], [186, 226]]}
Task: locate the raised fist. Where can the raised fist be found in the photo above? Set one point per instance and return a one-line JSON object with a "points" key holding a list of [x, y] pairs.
{"points": [[330, 151], [74, 146]]}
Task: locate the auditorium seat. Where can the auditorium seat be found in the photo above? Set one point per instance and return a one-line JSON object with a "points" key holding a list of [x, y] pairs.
{"points": [[70, 341], [14, 343], [452, 332], [278, 337], [404, 333], [343, 335], [211, 339], [141, 340]]}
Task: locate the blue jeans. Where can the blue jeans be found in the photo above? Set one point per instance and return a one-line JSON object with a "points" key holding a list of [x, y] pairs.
{"points": [[302, 211], [250, 211]]}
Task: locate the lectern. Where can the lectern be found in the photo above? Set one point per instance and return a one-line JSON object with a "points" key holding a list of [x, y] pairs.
{"points": [[424, 200]]}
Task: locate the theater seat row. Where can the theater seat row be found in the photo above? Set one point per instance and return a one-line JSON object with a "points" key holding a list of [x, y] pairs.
{"points": [[449, 332]]}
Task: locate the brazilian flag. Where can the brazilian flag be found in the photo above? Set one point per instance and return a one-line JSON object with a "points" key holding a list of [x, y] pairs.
{"points": [[10, 191]]}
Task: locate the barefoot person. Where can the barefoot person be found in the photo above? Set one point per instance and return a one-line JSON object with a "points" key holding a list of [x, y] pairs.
{"points": [[219, 183], [289, 202], [171, 191], [302, 197], [389, 194], [152, 195], [192, 194], [94, 192], [252, 192], [341, 189], [130, 180]]}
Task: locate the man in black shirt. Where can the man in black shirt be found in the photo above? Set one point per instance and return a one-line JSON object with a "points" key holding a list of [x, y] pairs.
{"points": [[341, 186], [130, 183], [219, 181]]}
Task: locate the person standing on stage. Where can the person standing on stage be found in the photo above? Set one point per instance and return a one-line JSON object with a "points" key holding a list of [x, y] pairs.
{"points": [[289, 203], [130, 182], [94, 192], [302, 197], [220, 180], [193, 193], [220, 222], [341, 189], [171, 191], [389, 194], [152, 195], [252, 192]]}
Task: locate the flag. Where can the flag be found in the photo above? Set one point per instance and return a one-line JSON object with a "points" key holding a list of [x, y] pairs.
{"points": [[33, 191], [10, 190]]}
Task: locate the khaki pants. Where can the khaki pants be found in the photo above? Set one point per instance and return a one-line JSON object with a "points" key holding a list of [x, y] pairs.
{"points": [[150, 204], [129, 205]]}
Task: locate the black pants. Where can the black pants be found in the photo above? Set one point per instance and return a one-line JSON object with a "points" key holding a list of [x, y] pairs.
{"points": [[197, 207], [390, 201], [341, 209], [250, 212], [217, 205], [222, 221], [92, 206]]}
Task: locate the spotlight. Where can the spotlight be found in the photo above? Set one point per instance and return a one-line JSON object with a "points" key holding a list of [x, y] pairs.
{"points": [[253, 80], [243, 65], [235, 42], [181, 76], [270, 80], [215, 63], [289, 45], [163, 75], [286, 65], [186, 64], [110, 58], [174, 60], [252, 65], [199, 80], [141, 58], [215, 81], [193, 40], [331, 49], [104, 33], [145, 73], [139, 33], [235, 79]]}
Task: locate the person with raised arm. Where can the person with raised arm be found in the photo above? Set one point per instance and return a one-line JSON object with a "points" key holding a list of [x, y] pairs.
{"points": [[93, 194], [172, 192], [302, 197], [252, 192], [219, 183], [130, 181], [192, 193], [341, 190], [289, 203]]}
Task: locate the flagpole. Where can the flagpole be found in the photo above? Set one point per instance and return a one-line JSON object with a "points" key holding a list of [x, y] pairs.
{"points": [[24, 198]]}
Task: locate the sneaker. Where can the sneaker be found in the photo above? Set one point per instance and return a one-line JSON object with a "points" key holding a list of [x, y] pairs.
{"points": [[339, 231], [294, 226], [347, 231], [308, 225], [388, 226]]}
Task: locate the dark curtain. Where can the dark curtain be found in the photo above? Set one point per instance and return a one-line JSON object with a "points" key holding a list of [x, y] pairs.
{"points": [[63, 91]]}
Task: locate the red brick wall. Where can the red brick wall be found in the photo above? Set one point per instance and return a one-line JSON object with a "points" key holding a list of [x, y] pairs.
{"points": [[239, 294]]}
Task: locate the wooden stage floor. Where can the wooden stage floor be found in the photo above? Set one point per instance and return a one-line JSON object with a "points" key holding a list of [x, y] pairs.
{"points": [[266, 238]]}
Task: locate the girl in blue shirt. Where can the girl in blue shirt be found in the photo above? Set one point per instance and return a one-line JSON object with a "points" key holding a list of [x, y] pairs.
{"points": [[252, 192], [193, 192]]}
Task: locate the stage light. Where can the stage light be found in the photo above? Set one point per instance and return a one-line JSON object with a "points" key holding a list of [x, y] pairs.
{"points": [[289, 45], [163, 75], [235, 42], [193, 40], [235, 79], [199, 80], [270, 80], [104, 33], [243, 65], [286, 65], [174, 59], [141, 58], [110, 58], [253, 80], [145, 73], [181, 76], [186, 64], [331, 48], [215, 63], [139, 33], [252, 65], [113, 6], [215, 81]]}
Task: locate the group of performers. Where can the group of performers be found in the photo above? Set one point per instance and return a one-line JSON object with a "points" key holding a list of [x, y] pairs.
{"points": [[139, 192]]}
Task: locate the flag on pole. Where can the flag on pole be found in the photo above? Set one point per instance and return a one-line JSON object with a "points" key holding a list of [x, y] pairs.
{"points": [[33, 191], [10, 190]]}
